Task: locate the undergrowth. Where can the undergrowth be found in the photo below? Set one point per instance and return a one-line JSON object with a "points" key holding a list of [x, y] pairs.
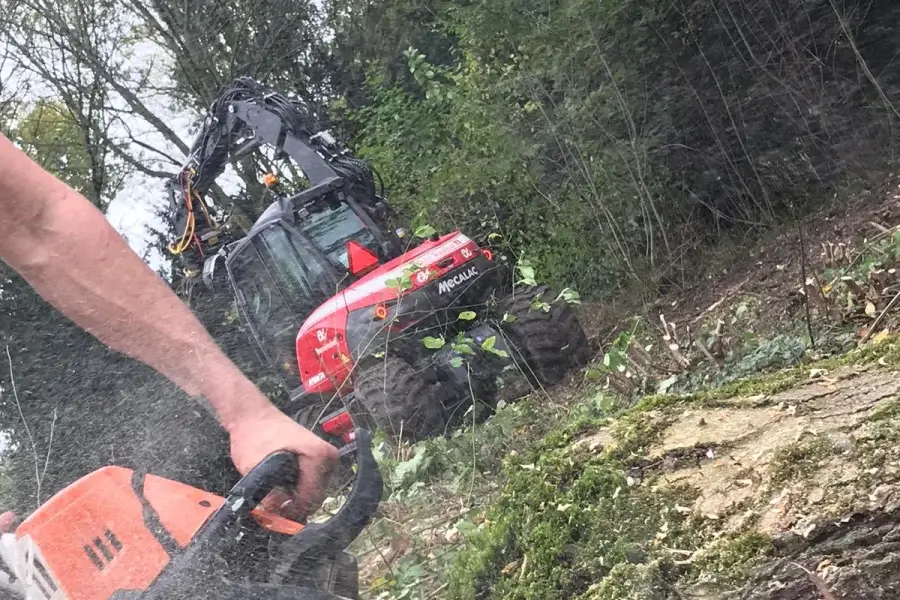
{"points": [[563, 524]]}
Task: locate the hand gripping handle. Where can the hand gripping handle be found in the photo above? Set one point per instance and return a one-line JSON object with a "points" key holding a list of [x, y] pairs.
{"points": [[191, 563], [318, 540]]}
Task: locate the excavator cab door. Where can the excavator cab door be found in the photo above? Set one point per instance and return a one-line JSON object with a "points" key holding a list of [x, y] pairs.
{"points": [[278, 279]]}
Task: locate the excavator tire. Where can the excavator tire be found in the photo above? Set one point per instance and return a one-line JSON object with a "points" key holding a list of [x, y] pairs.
{"points": [[546, 344], [400, 400]]}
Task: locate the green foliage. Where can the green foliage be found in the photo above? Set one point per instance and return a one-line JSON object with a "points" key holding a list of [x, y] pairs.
{"points": [[600, 138], [471, 454], [755, 356], [53, 139], [563, 524]]}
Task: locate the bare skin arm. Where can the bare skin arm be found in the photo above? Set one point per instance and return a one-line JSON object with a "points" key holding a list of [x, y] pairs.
{"points": [[70, 254]]}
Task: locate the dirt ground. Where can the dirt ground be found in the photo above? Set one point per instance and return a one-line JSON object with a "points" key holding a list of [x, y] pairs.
{"points": [[814, 467]]}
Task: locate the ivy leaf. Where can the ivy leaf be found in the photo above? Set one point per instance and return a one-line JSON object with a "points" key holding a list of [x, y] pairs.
{"points": [[488, 346], [463, 348], [467, 315], [433, 343], [425, 231]]}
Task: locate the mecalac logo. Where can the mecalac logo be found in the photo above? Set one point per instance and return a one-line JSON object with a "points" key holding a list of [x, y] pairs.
{"points": [[448, 284]]}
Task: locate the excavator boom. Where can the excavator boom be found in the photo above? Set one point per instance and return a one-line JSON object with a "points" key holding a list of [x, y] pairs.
{"points": [[243, 118]]}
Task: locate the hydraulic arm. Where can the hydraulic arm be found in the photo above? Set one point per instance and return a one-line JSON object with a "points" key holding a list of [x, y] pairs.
{"points": [[244, 117]]}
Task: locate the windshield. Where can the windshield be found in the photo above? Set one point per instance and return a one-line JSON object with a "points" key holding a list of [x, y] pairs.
{"points": [[331, 228]]}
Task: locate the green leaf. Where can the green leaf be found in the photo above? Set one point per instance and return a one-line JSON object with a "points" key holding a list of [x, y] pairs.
{"points": [[527, 273], [463, 348], [593, 374], [494, 236], [488, 346], [570, 296], [425, 231], [467, 315], [665, 384], [538, 304], [508, 318], [456, 362], [433, 343]]}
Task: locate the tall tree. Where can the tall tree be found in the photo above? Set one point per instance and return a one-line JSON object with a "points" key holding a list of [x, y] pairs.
{"points": [[78, 50], [211, 43], [51, 135]]}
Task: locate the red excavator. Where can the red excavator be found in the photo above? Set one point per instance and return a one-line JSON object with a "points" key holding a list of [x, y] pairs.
{"points": [[362, 325], [362, 321]]}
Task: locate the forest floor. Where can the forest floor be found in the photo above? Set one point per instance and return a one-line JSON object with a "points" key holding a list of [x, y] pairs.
{"points": [[709, 451]]}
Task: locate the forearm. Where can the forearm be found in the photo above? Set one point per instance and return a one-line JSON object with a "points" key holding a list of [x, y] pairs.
{"points": [[67, 250]]}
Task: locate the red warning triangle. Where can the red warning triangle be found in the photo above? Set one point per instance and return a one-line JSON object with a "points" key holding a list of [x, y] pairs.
{"points": [[360, 258]]}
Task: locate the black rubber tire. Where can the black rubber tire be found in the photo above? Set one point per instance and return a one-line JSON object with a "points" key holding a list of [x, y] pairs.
{"points": [[550, 343], [398, 398]]}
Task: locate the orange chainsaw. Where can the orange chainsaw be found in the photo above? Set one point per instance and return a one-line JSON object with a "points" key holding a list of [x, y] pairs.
{"points": [[118, 534]]}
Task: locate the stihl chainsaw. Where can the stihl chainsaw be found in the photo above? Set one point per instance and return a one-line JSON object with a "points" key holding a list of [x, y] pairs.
{"points": [[118, 534]]}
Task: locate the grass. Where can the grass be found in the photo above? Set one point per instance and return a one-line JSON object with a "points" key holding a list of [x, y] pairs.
{"points": [[513, 508]]}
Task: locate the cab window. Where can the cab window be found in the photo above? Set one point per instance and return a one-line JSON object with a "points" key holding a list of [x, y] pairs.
{"points": [[330, 227]]}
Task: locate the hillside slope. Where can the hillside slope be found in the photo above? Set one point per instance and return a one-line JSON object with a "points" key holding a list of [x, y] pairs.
{"points": [[759, 467]]}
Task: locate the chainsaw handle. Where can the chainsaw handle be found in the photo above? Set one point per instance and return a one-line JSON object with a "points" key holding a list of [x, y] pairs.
{"points": [[278, 469], [191, 563], [327, 539]]}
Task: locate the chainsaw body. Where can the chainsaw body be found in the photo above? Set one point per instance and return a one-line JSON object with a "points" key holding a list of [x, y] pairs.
{"points": [[117, 534]]}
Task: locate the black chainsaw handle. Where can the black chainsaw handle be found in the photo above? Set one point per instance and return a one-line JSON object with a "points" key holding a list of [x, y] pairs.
{"points": [[189, 565], [318, 540], [278, 469]]}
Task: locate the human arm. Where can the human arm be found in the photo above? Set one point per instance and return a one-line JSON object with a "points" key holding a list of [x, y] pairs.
{"points": [[68, 252]]}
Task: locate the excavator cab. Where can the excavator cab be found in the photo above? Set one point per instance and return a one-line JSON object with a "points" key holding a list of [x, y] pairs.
{"points": [[305, 247], [301, 251]]}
